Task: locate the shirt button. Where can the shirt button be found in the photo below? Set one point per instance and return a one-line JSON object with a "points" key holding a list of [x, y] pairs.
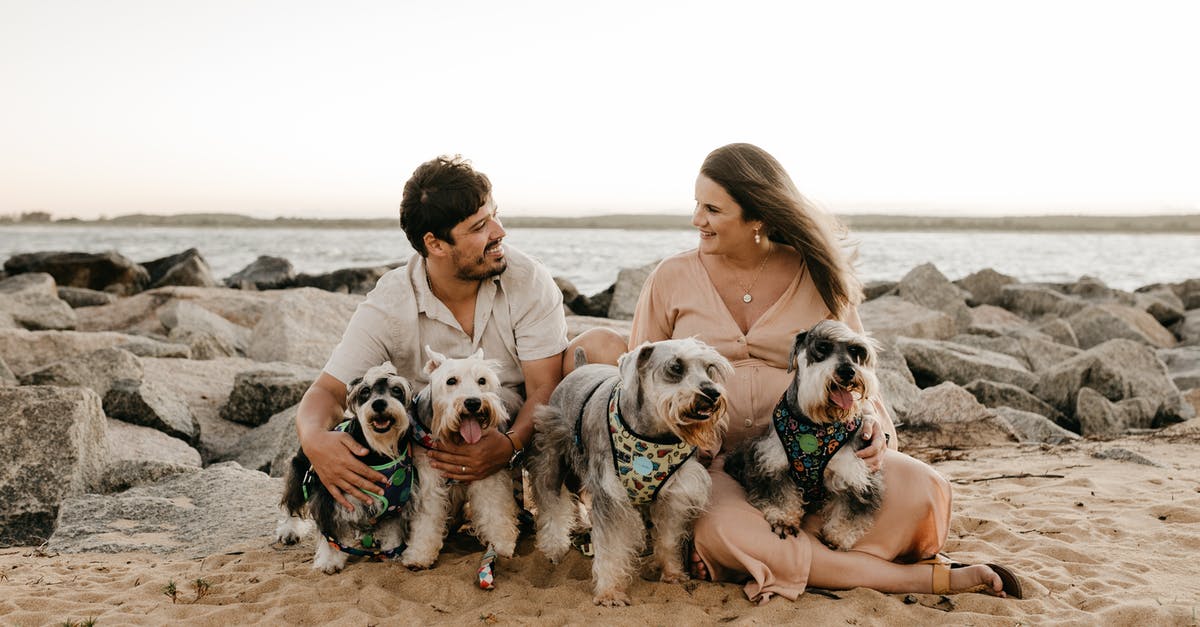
{"points": [[741, 340], [749, 422]]}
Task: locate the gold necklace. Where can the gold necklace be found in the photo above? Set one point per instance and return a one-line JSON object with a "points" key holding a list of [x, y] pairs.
{"points": [[746, 298]]}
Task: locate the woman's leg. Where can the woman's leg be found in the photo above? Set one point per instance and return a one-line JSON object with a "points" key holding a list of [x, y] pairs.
{"points": [[841, 570], [600, 346]]}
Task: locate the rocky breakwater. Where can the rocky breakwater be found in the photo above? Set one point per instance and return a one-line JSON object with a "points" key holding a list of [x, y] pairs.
{"points": [[150, 407]]}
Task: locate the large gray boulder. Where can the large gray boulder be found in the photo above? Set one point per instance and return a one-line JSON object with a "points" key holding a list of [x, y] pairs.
{"points": [[32, 301], [190, 515], [27, 351], [985, 286], [302, 327], [1188, 329], [627, 289], [1117, 369], [185, 268], [140, 455], [896, 385], [875, 289], [96, 371], [263, 392], [264, 273], [38, 471], [996, 395], [7, 378], [889, 317], [1100, 323], [948, 417], [1094, 290], [78, 297], [346, 280], [994, 321], [933, 362], [1036, 428], [271, 446], [582, 305], [151, 405], [1162, 304], [1183, 365], [108, 272], [139, 313], [1034, 301], [207, 334], [926, 286], [1099, 417], [1058, 330]]}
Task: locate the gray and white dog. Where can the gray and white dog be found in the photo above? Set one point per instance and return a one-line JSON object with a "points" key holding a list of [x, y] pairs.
{"points": [[807, 462], [464, 399], [627, 435], [377, 418]]}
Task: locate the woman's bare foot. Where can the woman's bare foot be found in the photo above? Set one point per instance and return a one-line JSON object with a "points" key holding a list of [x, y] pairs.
{"points": [[697, 568], [969, 577]]}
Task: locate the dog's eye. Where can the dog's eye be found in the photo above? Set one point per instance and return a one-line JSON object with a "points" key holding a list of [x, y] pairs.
{"points": [[364, 394], [676, 367], [482, 381], [822, 348], [857, 353], [398, 392], [452, 381]]}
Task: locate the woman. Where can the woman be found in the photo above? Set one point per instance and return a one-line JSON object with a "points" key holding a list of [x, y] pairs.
{"points": [[768, 266]]}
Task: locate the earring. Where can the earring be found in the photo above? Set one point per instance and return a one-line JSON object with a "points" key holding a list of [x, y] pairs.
{"points": [[757, 238]]}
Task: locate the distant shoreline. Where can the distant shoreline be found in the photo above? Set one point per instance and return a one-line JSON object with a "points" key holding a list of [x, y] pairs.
{"points": [[1129, 224]]}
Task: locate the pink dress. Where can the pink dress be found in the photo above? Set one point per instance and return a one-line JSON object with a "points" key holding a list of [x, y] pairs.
{"points": [[732, 537]]}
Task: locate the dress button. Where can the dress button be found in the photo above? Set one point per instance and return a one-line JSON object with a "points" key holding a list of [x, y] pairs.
{"points": [[749, 422]]}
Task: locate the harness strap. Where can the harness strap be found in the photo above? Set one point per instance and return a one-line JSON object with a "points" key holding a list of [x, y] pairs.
{"points": [[583, 407], [809, 447]]}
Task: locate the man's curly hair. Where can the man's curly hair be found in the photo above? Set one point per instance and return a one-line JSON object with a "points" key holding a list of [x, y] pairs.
{"points": [[441, 193]]}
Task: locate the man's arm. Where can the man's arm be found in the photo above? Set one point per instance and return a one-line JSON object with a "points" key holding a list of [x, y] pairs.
{"points": [[332, 453], [492, 452]]}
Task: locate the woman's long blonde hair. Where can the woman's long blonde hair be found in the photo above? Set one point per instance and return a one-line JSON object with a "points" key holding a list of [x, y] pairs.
{"points": [[764, 191]]}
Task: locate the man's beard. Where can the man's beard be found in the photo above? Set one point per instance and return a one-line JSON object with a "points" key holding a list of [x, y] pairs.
{"points": [[479, 270]]}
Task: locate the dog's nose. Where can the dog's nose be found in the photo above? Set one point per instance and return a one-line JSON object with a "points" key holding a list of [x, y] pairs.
{"points": [[845, 372], [472, 404], [379, 406], [710, 392]]}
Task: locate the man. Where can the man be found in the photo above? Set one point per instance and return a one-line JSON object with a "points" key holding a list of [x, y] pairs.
{"points": [[462, 290]]}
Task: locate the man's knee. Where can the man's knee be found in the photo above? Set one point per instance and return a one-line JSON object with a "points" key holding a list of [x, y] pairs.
{"points": [[600, 346]]}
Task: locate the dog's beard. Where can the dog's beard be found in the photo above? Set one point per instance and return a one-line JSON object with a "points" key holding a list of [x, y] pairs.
{"points": [[699, 423], [388, 442], [462, 424], [824, 400]]}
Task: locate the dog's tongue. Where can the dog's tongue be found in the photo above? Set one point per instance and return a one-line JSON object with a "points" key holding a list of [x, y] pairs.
{"points": [[842, 398], [470, 430]]}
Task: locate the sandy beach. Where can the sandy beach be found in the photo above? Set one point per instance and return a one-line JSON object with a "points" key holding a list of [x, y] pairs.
{"points": [[1095, 541]]}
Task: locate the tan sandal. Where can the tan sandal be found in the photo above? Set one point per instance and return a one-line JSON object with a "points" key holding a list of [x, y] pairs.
{"points": [[941, 578]]}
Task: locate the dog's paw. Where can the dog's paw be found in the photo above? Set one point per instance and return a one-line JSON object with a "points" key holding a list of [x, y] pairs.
{"points": [[505, 549], [413, 561], [290, 530], [611, 598], [329, 565], [672, 576]]}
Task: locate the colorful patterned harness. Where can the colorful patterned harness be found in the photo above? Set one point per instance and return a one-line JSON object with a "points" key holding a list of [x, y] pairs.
{"points": [[643, 464], [397, 491], [809, 448]]}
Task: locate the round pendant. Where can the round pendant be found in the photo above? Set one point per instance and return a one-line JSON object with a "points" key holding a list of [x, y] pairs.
{"points": [[746, 298]]}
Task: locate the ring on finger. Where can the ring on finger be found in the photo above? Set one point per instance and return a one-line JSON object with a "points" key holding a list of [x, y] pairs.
{"points": [[462, 469]]}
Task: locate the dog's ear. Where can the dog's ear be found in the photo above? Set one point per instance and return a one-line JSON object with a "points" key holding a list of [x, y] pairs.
{"points": [[478, 354], [643, 357], [797, 348], [580, 356], [353, 384], [435, 359]]}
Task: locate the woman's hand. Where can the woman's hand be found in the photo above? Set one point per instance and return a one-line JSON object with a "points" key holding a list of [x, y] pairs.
{"points": [[471, 462], [333, 458], [873, 434]]}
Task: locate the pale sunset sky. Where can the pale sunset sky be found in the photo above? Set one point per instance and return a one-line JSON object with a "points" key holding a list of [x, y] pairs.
{"points": [[322, 109]]}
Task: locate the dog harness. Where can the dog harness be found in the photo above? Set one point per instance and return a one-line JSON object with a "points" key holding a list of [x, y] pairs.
{"points": [[397, 490], [809, 448], [643, 464]]}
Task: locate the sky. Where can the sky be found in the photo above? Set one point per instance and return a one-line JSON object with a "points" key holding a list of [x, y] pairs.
{"points": [[321, 109]]}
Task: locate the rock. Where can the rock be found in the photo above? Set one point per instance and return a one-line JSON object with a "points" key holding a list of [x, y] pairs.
{"points": [[195, 514], [140, 455], [264, 273], [1097, 324], [1163, 305], [26, 351], [1099, 417], [594, 306], [78, 297], [1093, 289], [1183, 365], [985, 287], [41, 470], [1031, 427], [1124, 455], [7, 378], [1192, 397], [994, 321], [926, 286], [302, 327], [109, 272], [996, 395], [1188, 329], [263, 392], [896, 384], [96, 371], [204, 386], [1188, 292], [139, 313], [875, 289], [346, 280], [1117, 369], [627, 289], [1034, 301], [151, 405], [32, 301], [1045, 354], [185, 268], [1002, 344], [207, 334], [1060, 331], [933, 362], [579, 324], [889, 317], [270, 447], [948, 417], [1175, 408], [149, 347]]}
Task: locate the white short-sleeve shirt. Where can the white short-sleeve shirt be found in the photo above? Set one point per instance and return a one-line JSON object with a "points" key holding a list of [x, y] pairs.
{"points": [[518, 317]]}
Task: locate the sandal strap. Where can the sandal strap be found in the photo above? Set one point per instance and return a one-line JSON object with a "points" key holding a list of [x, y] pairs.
{"points": [[941, 578]]}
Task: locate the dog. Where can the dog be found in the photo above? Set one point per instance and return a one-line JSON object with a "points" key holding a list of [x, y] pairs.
{"points": [[628, 435], [464, 398], [807, 463], [378, 418]]}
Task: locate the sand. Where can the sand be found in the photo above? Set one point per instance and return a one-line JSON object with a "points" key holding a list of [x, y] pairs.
{"points": [[1095, 541]]}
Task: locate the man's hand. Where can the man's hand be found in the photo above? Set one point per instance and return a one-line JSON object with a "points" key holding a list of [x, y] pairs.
{"points": [[471, 462], [873, 434], [333, 458]]}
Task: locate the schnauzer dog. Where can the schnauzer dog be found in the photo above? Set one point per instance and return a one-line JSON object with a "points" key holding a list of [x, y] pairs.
{"points": [[378, 418], [804, 464], [464, 399], [628, 434]]}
